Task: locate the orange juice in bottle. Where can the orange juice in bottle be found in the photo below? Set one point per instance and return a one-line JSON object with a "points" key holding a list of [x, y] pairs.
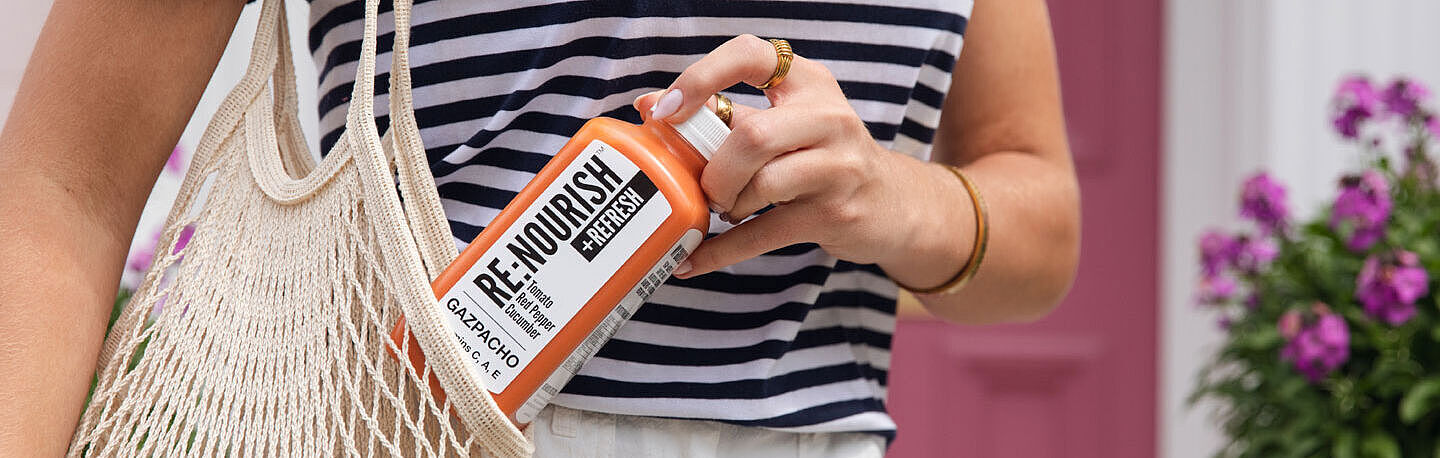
{"points": [[569, 260]]}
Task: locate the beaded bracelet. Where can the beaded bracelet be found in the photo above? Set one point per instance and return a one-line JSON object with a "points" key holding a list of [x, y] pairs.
{"points": [[977, 253]]}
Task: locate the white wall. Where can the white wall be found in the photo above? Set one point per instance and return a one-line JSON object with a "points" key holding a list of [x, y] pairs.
{"points": [[1247, 87], [20, 26]]}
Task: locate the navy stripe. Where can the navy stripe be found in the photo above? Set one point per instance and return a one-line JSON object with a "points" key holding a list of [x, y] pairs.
{"points": [[706, 319], [853, 298], [745, 389], [755, 284], [565, 13]]}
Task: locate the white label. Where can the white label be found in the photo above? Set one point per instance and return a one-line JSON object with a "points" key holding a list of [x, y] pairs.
{"points": [[607, 329], [551, 261]]}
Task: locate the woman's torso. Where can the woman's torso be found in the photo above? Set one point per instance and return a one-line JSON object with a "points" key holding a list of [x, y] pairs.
{"points": [[793, 339]]}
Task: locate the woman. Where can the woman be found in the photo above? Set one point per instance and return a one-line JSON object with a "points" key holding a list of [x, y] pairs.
{"points": [[773, 337]]}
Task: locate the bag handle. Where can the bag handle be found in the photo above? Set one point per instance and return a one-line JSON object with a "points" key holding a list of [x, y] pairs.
{"points": [[417, 185], [467, 394], [401, 247]]}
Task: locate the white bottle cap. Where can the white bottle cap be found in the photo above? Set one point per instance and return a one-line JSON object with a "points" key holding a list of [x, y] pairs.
{"points": [[704, 131]]}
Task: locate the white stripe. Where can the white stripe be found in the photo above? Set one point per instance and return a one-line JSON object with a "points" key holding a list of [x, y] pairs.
{"points": [[783, 330], [864, 421], [793, 361], [724, 409], [860, 280], [488, 175]]}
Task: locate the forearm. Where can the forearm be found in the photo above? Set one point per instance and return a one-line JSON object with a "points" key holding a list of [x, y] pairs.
{"points": [[108, 89], [1002, 122], [1033, 219]]}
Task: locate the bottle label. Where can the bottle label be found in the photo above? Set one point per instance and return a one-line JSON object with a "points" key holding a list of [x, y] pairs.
{"points": [[607, 329], [551, 261]]}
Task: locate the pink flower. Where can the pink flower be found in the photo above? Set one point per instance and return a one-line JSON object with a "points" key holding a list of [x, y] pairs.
{"points": [[1388, 287], [1215, 289], [1289, 325], [1355, 102], [1262, 200], [140, 259], [1362, 209], [1316, 349], [177, 161], [1217, 250], [1253, 254], [1402, 98]]}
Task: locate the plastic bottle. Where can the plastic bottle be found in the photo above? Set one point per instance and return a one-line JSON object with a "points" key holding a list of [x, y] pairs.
{"points": [[569, 260]]}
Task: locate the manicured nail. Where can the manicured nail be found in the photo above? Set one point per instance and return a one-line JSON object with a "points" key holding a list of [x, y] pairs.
{"points": [[683, 269], [667, 104]]}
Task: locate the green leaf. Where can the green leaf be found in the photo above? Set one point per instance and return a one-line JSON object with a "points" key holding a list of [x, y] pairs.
{"points": [[1379, 444], [1419, 400], [1344, 445], [1260, 339]]}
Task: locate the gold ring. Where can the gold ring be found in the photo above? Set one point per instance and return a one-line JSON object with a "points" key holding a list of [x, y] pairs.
{"points": [[723, 108], [783, 56]]}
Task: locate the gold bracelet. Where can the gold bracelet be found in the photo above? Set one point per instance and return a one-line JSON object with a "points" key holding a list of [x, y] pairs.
{"points": [[977, 253]]}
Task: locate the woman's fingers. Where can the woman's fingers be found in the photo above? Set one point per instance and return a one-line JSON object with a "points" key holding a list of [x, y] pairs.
{"points": [[746, 59], [787, 178], [773, 230], [756, 137]]}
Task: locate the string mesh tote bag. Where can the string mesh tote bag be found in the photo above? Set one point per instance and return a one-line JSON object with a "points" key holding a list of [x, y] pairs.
{"points": [[267, 333]]}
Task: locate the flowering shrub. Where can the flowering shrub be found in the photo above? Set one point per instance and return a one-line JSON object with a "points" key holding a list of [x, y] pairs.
{"points": [[1333, 344]]}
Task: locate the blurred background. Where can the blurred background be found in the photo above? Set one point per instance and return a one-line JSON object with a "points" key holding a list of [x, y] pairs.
{"points": [[1171, 105]]}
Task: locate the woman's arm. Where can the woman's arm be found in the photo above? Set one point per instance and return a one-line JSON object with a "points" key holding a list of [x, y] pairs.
{"points": [[106, 94], [832, 184], [1003, 124]]}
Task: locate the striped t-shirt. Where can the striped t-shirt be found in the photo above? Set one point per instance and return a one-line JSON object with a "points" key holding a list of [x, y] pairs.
{"points": [[792, 340]]}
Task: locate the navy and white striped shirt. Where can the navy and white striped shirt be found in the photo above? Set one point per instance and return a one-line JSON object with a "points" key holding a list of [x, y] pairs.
{"points": [[793, 340]]}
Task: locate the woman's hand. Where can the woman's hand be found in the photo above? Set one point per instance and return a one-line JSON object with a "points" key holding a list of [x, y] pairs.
{"points": [[832, 184], [812, 157]]}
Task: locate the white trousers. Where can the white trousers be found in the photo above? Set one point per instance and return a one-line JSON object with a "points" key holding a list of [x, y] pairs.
{"points": [[565, 432]]}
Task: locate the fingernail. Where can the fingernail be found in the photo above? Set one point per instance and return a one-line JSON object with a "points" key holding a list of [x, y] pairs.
{"points": [[683, 269], [726, 218], [667, 104], [714, 207]]}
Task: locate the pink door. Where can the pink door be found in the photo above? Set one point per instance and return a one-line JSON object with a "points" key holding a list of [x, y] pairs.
{"points": [[1082, 382]]}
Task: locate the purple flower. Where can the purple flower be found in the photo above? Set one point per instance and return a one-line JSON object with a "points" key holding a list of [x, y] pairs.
{"points": [[1389, 287], [1355, 102], [1217, 250], [139, 260], [1363, 207], [1403, 96], [1318, 348], [1252, 254], [143, 255], [1432, 124], [1215, 289], [176, 163], [1263, 200]]}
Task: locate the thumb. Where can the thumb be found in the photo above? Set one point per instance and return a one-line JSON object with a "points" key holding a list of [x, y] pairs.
{"points": [[644, 102]]}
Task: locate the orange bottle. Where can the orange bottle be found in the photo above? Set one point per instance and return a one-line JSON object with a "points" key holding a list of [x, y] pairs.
{"points": [[575, 253]]}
